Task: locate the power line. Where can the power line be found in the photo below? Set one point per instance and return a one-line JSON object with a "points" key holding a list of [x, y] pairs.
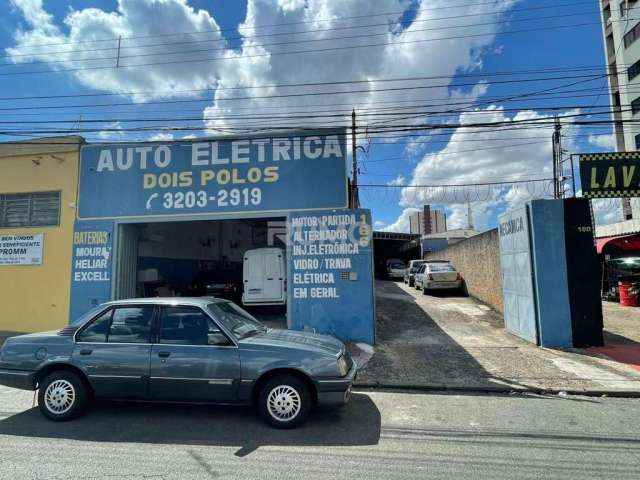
{"points": [[335, 82], [296, 52], [478, 184], [587, 78], [255, 27], [289, 42]]}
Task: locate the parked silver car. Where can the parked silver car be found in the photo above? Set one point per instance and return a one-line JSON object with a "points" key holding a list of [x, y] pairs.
{"points": [[439, 275], [411, 270], [179, 349]]}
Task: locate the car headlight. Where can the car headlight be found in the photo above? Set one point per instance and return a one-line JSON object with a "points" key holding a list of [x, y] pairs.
{"points": [[343, 367]]}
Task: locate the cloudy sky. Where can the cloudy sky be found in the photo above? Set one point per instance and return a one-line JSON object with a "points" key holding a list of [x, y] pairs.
{"points": [[221, 66]]}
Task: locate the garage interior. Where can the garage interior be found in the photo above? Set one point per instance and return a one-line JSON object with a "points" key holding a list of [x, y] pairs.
{"points": [[190, 258]]}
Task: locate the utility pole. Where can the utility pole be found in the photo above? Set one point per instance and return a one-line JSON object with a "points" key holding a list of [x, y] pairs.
{"points": [[469, 217], [557, 159], [355, 199], [118, 56]]}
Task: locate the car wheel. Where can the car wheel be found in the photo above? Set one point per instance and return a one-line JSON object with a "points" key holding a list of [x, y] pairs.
{"points": [[424, 291], [62, 396], [284, 401]]}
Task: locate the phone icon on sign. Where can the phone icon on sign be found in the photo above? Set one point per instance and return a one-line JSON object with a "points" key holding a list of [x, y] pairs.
{"points": [[151, 197]]}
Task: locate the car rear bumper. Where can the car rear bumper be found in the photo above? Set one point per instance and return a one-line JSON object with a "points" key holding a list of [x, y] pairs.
{"points": [[336, 391], [18, 379]]}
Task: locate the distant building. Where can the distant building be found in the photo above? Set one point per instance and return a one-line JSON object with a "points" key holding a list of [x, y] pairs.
{"points": [[427, 221], [621, 32]]}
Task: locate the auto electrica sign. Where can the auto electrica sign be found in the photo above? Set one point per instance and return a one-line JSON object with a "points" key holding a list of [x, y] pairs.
{"points": [[293, 172]]}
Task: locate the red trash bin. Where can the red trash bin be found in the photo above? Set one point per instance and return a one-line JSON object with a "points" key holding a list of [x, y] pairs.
{"points": [[627, 298]]}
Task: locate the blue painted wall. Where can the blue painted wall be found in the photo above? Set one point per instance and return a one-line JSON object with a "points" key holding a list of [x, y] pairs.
{"points": [[345, 307], [550, 272], [92, 265]]}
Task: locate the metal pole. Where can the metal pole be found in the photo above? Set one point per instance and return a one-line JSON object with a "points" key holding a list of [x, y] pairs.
{"points": [[355, 200], [555, 165], [118, 56], [573, 176]]}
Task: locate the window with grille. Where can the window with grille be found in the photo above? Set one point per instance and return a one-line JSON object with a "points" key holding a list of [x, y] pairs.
{"points": [[34, 209]]}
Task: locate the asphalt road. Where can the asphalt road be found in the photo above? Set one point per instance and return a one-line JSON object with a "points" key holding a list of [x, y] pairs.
{"points": [[379, 435]]}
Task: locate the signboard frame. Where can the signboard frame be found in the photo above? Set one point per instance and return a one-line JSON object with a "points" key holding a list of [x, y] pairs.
{"points": [[599, 170], [35, 237], [338, 199]]}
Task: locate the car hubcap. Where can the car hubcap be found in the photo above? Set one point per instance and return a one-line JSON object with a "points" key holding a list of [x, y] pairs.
{"points": [[284, 403], [59, 396]]}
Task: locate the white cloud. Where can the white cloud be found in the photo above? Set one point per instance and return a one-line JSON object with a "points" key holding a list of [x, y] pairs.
{"points": [[378, 224], [607, 210], [158, 137], [113, 131], [260, 60], [502, 154], [133, 18], [401, 225], [399, 180], [603, 141]]}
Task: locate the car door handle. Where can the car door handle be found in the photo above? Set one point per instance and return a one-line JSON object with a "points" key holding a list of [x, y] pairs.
{"points": [[86, 351], [270, 278], [164, 354]]}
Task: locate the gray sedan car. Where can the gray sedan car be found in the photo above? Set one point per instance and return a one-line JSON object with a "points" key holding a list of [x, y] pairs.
{"points": [[179, 349]]}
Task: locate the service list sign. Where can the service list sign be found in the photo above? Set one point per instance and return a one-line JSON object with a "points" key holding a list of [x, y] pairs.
{"points": [[330, 284], [298, 172], [21, 249]]}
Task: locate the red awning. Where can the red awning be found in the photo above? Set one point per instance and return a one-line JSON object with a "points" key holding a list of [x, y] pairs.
{"points": [[625, 243]]}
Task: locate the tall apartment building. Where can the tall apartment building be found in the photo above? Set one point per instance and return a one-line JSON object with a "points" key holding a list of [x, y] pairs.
{"points": [[621, 30], [427, 221]]}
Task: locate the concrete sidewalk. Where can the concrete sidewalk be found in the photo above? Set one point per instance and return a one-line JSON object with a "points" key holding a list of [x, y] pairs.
{"points": [[449, 342]]}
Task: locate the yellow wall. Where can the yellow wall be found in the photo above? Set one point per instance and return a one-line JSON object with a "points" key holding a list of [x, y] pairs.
{"points": [[36, 297]]}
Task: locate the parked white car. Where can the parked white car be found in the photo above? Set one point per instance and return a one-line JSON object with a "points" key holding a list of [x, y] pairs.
{"points": [[395, 268], [440, 275], [411, 270]]}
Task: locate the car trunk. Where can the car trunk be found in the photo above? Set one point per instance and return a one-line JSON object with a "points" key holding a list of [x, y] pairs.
{"points": [[444, 276]]}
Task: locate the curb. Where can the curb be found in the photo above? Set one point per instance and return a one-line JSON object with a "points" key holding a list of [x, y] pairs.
{"points": [[497, 389]]}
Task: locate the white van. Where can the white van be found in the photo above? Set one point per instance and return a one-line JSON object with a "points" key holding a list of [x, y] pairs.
{"points": [[264, 277]]}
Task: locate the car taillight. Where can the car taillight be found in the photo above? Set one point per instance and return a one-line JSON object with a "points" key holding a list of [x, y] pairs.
{"points": [[430, 277], [457, 276]]}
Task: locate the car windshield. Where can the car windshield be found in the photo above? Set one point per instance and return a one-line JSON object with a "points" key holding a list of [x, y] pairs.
{"points": [[240, 323], [90, 314], [627, 266], [442, 268], [396, 266], [416, 266]]}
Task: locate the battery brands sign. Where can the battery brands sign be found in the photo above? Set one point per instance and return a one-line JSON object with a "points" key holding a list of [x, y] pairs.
{"points": [[294, 172], [606, 175], [21, 249], [91, 265]]}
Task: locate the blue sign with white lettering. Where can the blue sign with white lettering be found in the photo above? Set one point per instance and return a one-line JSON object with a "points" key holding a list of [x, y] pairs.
{"points": [[330, 283], [92, 266], [248, 175]]}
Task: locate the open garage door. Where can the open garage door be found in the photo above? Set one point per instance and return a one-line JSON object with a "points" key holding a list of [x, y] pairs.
{"points": [[126, 261]]}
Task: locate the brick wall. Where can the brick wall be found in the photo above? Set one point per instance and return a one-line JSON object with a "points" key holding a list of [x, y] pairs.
{"points": [[478, 261]]}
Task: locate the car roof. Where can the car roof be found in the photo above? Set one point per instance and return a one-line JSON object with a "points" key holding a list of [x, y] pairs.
{"points": [[195, 301]]}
